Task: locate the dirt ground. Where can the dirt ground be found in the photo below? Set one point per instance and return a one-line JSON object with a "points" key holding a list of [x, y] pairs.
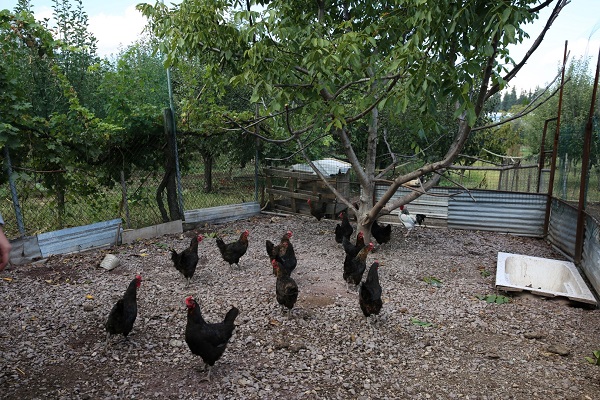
{"points": [[435, 338]]}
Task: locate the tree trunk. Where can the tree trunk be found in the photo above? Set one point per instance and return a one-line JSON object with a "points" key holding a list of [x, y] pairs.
{"points": [[208, 169]]}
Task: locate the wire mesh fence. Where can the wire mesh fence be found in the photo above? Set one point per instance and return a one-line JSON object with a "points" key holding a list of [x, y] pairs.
{"points": [[52, 200], [35, 202]]}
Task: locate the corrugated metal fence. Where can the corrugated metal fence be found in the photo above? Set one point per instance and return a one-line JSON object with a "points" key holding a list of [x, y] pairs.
{"points": [[516, 213], [590, 263], [508, 212], [562, 227]]}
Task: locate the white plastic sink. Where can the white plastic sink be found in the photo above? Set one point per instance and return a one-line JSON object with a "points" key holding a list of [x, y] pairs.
{"points": [[541, 276]]}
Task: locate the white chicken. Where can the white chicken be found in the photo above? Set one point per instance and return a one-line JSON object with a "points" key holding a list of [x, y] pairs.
{"points": [[407, 219]]}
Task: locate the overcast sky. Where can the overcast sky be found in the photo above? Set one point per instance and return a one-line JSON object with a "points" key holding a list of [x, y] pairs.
{"points": [[117, 23]]}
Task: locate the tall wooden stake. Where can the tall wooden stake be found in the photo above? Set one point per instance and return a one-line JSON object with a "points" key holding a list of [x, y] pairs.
{"points": [[585, 161], [555, 148]]}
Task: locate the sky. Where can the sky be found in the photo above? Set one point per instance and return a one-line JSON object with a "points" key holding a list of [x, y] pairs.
{"points": [[116, 23]]}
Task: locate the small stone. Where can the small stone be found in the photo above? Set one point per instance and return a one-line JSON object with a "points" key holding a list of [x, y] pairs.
{"points": [[534, 335], [88, 307], [175, 343], [559, 349]]}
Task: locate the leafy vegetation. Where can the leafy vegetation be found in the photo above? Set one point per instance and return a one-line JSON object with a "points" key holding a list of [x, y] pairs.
{"points": [[312, 80], [350, 77], [418, 322], [494, 298], [433, 281], [595, 359]]}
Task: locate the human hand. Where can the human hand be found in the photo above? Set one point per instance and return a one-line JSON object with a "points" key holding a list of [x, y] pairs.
{"points": [[5, 247]]}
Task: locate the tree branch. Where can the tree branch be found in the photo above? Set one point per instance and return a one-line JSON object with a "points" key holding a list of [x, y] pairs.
{"points": [[511, 74], [526, 110], [538, 8]]}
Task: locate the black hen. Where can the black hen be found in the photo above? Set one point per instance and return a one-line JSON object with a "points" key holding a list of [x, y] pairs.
{"points": [[370, 293], [382, 234], [286, 288], [354, 270], [316, 211], [186, 261], [232, 252], [288, 259], [287, 262], [284, 249], [207, 340], [352, 250], [124, 312], [421, 219], [344, 229]]}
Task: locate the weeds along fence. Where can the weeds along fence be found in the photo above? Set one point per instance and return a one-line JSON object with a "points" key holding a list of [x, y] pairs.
{"points": [[35, 202]]}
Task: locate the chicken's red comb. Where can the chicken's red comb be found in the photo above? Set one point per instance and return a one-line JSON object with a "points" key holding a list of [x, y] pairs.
{"points": [[138, 277], [200, 237], [274, 263], [289, 234], [361, 234], [401, 208], [189, 301]]}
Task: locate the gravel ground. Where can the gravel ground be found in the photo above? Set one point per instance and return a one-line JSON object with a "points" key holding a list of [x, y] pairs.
{"points": [[432, 341]]}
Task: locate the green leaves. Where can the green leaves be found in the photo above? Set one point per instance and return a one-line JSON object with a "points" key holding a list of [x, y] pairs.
{"points": [[418, 322], [494, 298], [595, 359], [433, 281]]}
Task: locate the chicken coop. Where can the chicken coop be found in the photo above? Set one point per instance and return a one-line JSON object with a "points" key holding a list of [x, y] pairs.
{"points": [[288, 188]]}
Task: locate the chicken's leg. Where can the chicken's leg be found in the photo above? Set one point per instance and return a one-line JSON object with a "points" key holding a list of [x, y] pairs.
{"points": [[207, 378]]}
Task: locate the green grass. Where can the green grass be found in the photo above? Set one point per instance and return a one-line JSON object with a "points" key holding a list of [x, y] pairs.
{"points": [[40, 213]]}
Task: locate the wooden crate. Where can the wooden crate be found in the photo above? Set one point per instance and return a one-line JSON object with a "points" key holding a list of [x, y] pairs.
{"points": [[291, 196]]}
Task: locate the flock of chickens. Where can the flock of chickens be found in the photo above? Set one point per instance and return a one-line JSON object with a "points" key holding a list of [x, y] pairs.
{"points": [[209, 340]]}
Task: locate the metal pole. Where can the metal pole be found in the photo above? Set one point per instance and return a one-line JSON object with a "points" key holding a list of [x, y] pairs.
{"points": [[13, 192], [256, 144], [555, 148], [174, 127], [585, 161], [177, 171], [125, 201]]}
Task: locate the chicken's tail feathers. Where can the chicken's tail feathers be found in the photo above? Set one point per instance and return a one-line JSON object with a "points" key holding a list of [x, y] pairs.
{"points": [[174, 256], [220, 243], [231, 315]]}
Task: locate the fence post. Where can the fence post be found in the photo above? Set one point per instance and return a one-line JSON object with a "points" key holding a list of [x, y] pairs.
{"points": [[542, 159], [125, 201], [585, 161], [13, 192], [256, 166], [175, 151], [555, 148]]}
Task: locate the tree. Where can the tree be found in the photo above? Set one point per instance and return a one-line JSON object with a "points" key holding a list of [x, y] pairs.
{"points": [[327, 67], [202, 104], [577, 97]]}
